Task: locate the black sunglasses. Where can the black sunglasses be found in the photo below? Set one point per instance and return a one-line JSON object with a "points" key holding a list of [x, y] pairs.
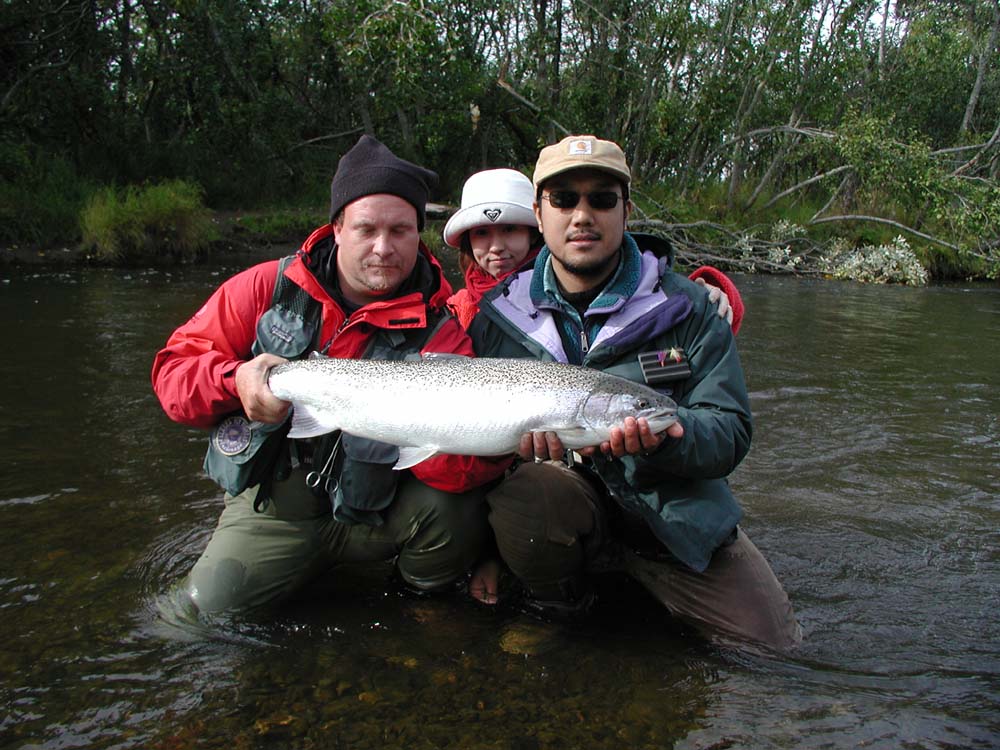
{"points": [[599, 200]]}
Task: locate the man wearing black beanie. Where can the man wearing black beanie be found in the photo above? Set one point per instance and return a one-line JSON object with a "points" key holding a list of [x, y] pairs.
{"points": [[370, 168], [363, 286]]}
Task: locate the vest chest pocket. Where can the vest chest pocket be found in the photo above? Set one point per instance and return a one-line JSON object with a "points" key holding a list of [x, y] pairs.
{"points": [[284, 332], [664, 366]]}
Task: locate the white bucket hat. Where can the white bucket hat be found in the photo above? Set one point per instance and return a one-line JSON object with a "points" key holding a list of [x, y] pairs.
{"points": [[495, 196]]}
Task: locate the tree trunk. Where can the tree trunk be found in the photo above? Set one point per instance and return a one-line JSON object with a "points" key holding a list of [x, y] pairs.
{"points": [[881, 38], [984, 58]]}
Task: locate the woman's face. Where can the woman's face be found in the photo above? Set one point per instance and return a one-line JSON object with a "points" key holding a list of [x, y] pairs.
{"points": [[499, 249]]}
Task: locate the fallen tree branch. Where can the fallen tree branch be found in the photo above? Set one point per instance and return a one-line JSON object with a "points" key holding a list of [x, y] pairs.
{"points": [[527, 102], [806, 183], [890, 222]]}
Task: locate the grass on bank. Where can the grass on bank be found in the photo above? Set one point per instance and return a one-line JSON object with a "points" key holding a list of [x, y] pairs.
{"points": [[40, 197], [45, 202], [281, 224], [165, 221]]}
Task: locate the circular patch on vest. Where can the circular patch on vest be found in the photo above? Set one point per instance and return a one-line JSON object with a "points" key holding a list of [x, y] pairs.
{"points": [[232, 436]]}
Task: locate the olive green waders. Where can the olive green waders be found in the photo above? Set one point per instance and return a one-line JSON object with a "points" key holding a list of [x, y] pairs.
{"points": [[255, 558], [552, 525]]}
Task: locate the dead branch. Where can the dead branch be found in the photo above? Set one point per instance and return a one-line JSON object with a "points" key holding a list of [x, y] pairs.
{"points": [[807, 183], [30, 72], [890, 222], [320, 138], [785, 129], [527, 102], [833, 197], [971, 162]]}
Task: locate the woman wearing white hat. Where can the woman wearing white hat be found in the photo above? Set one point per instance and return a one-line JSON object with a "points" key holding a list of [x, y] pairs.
{"points": [[496, 233]]}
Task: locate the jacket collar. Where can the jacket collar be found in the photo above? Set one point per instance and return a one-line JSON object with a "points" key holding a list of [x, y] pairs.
{"points": [[622, 285], [425, 287], [649, 312]]}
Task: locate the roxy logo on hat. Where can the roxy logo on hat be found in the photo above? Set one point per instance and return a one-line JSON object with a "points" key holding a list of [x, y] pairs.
{"points": [[493, 196]]}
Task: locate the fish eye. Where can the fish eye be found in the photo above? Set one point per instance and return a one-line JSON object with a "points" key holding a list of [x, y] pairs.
{"points": [[641, 403]]}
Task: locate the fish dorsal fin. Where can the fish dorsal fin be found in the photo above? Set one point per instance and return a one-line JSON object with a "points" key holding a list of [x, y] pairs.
{"points": [[308, 422], [412, 456], [438, 356]]}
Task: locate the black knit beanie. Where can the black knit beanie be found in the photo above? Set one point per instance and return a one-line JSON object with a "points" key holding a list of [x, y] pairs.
{"points": [[370, 168]]}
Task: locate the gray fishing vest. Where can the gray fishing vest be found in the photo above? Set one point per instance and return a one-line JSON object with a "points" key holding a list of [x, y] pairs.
{"points": [[354, 473]]}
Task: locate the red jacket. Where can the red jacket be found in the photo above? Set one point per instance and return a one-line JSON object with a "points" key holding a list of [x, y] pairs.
{"points": [[194, 374]]}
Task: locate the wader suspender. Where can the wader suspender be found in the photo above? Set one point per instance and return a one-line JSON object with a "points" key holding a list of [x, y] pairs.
{"points": [[290, 297]]}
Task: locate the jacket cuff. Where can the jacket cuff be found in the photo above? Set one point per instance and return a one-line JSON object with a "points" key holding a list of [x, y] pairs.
{"points": [[717, 278]]}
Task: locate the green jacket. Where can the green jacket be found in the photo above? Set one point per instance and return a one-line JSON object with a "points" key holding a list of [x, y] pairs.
{"points": [[680, 489]]}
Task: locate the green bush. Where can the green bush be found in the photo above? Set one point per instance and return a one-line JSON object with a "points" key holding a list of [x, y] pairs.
{"points": [[164, 221], [282, 225], [40, 196]]}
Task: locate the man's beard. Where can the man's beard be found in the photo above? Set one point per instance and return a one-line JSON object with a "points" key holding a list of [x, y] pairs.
{"points": [[591, 270]]}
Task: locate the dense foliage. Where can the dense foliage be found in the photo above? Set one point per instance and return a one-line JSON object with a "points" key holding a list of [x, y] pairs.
{"points": [[166, 219], [859, 118]]}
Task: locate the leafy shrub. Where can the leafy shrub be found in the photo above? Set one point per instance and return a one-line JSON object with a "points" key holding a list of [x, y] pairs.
{"points": [[282, 225], [40, 196], [143, 223], [892, 263]]}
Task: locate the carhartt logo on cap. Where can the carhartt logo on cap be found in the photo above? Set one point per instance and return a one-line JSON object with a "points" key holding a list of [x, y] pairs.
{"points": [[581, 152], [492, 213]]}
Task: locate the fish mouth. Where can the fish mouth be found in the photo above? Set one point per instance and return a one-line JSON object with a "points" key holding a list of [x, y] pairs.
{"points": [[659, 418]]}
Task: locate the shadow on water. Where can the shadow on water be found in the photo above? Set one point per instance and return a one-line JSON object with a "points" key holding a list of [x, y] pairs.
{"points": [[872, 487]]}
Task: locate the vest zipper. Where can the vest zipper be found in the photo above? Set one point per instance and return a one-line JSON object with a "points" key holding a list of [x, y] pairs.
{"points": [[336, 333], [584, 344]]}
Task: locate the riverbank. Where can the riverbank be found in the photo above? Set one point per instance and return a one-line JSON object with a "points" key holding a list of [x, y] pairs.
{"points": [[232, 239], [239, 234], [247, 237]]}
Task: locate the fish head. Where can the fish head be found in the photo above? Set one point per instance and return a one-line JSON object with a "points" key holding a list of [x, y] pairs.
{"points": [[607, 408]]}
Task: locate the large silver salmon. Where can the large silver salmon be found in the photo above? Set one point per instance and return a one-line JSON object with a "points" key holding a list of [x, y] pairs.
{"points": [[452, 404]]}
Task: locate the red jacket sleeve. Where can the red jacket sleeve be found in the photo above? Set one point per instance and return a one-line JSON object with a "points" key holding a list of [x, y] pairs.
{"points": [[718, 278], [451, 473], [193, 375]]}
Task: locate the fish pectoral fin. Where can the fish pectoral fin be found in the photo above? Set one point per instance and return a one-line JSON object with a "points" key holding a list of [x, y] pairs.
{"points": [[308, 422], [412, 456]]}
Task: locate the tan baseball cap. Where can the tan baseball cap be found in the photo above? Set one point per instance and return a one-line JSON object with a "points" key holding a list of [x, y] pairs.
{"points": [[579, 151]]}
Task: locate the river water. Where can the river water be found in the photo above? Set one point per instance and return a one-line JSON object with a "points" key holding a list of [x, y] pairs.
{"points": [[873, 487]]}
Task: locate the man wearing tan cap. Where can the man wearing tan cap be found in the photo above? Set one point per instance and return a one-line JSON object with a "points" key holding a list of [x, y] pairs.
{"points": [[657, 504]]}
